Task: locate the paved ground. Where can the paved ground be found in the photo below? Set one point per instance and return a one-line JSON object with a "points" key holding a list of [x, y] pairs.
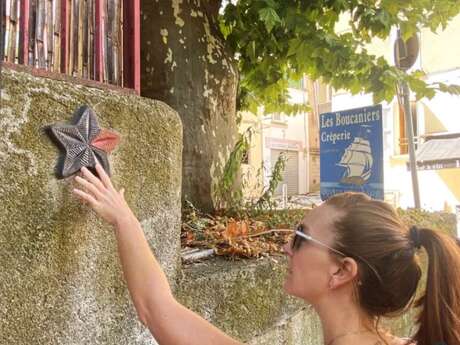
{"points": [[299, 201]]}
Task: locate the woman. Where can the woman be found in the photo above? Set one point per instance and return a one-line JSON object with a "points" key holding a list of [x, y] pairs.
{"points": [[351, 258]]}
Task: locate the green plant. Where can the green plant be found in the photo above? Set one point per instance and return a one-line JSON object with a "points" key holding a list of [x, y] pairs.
{"points": [[281, 40], [266, 199], [229, 189]]}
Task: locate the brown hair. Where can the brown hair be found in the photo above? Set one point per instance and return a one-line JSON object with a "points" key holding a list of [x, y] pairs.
{"points": [[389, 270]]}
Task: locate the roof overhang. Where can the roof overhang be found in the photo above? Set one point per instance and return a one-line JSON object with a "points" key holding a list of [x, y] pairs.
{"points": [[439, 152]]}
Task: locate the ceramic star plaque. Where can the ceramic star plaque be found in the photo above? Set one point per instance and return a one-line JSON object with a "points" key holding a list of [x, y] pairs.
{"points": [[83, 143]]}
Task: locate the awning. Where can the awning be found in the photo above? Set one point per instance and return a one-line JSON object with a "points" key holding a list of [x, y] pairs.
{"points": [[439, 152]]}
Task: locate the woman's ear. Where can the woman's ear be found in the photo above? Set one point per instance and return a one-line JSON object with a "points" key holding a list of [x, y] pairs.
{"points": [[344, 273]]}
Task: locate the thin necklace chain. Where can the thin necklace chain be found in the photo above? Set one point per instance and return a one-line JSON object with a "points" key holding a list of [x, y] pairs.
{"points": [[344, 335]]}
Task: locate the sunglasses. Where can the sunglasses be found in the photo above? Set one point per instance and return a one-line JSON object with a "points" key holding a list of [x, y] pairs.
{"points": [[300, 236]]}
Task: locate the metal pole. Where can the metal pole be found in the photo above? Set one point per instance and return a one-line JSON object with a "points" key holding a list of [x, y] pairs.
{"points": [[404, 62], [410, 138]]}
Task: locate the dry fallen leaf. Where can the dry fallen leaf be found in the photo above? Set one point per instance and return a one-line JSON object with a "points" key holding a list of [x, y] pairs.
{"points": [[233, 237]]}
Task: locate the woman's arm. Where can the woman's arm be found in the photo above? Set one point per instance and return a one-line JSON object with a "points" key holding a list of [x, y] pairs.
{"points": [[169, 321]]}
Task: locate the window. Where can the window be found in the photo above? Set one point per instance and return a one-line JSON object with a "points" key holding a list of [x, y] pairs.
{"points": [[280, 118]]}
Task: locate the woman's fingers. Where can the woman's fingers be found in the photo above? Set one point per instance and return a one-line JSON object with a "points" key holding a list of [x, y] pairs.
{"points": [[86, 197], [92, 179], [101, 196], [90, 187], [104, 177]]}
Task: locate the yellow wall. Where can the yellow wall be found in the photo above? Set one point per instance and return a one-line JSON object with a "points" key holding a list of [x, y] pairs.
{"points": [[451, 178], [432, 122], [440, 51]]}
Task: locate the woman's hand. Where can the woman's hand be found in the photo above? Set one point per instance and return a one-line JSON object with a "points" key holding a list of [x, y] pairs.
{"points": [[100, 194]]}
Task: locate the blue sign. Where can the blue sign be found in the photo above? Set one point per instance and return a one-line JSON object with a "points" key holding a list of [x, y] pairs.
{"points": [[351, 152]]}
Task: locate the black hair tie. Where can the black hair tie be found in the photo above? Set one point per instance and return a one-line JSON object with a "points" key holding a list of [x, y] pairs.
{"points": [[414, 235]]}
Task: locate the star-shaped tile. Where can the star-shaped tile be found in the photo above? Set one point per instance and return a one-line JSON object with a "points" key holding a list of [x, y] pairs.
{"points": [[84, 143]]}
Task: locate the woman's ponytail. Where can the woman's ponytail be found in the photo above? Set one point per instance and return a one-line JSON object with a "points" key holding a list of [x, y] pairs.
{"points": [[439, 318]]}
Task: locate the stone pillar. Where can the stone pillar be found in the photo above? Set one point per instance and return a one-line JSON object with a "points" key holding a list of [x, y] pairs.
{"points": [[60, 278]]}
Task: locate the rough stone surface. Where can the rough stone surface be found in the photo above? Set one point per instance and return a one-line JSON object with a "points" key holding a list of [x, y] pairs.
{"points": [[60, 279], [243, 298]]}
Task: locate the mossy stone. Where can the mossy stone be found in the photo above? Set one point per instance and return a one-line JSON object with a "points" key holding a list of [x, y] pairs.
{"points": [[60, 278]]}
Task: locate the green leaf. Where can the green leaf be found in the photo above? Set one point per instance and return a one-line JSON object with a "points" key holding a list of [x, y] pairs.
{"points": [[451, 89], [251, 50], [277, 39], [294, 45], [270, 18], [418, 74]]}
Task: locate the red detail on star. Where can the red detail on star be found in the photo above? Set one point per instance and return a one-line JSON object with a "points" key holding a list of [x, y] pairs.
{"points": [[106, 140]]}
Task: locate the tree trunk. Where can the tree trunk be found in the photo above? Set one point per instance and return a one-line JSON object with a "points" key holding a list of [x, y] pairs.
{"points": [[186, 65]]}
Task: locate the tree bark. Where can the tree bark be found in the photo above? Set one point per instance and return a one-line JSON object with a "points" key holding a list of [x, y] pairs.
{"points": [[184, 63]]}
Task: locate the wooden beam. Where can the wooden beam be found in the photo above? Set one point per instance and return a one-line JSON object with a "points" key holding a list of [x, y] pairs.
{"points": [[131, 45], [24, 32], [137, 45], [99, 39], [64, 36], [2, 44]]}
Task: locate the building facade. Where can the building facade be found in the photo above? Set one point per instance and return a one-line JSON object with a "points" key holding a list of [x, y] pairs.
{"points": [[436, 130], [276, 134], [436, 124]]}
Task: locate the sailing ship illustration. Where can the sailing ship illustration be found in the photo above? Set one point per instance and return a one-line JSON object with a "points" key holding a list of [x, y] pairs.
{"points": [[357, 161]]}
